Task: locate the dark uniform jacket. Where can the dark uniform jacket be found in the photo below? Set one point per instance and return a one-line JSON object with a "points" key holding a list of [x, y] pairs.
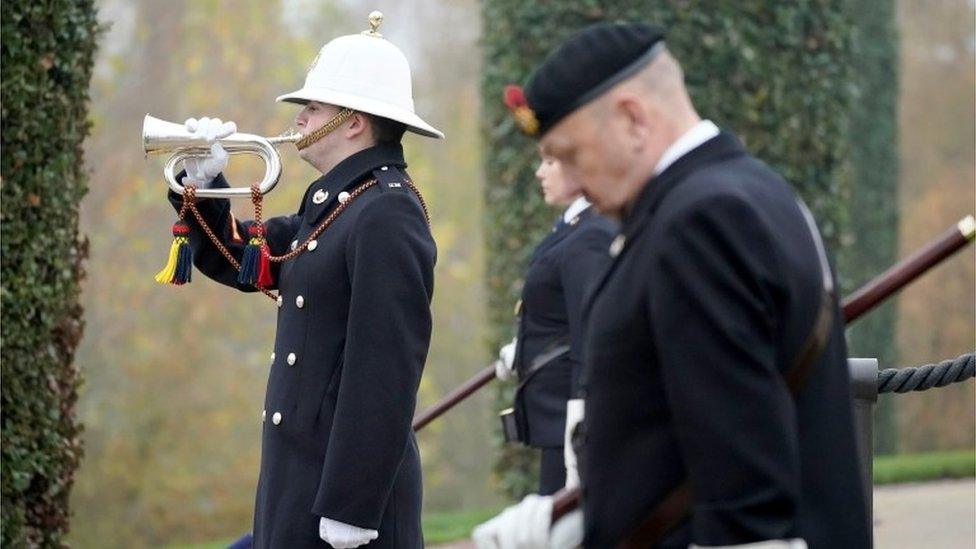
{"points": [[353, 331], [561, 269], [713, 292]]}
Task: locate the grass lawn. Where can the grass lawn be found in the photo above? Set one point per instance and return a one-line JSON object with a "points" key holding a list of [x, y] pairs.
{"points": [[440, 527], [922, 467], [454, 525], [208, 545], [446, 526]]}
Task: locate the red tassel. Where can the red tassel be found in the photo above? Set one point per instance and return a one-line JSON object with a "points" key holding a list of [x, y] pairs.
{"points": [[264, 270]]}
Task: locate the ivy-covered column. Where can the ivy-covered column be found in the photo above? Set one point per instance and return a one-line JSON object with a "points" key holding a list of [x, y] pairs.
{"points": [[873, 230], [47, 57], [776, 73]]}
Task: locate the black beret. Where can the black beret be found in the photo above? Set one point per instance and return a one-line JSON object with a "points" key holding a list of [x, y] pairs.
{"points": [[591, 62]]}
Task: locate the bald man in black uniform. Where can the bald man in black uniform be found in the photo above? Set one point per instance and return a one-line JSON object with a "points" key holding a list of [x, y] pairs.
{"points": [[714, 363]]}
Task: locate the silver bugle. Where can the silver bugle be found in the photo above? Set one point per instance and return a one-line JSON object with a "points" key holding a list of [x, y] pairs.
{"points": [[161, 137]]}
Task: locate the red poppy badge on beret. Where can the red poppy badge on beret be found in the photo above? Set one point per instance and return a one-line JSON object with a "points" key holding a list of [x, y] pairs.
{"points": [[524, 115]]}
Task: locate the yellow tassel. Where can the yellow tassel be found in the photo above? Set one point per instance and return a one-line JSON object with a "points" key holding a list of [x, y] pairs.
{"points": [[165, 276]]}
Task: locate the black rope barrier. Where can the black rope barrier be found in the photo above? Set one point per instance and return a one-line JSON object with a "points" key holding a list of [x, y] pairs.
{"points": [[920, 378]]}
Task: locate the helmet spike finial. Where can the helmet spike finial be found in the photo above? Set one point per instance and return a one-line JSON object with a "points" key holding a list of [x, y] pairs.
{"points": [[375, 20]]}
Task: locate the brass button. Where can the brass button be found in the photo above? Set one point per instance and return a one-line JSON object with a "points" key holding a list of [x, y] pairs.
{"points": [[272, 357], [281, 300], [343, 197], [276, 418], [291, 359], [294, 244], [312, 244], [264, 413], [299, 302], [320, 196]]}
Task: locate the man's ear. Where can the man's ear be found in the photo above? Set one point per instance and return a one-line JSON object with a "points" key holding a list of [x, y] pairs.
{"points": [[357, 125], [634, 118]]}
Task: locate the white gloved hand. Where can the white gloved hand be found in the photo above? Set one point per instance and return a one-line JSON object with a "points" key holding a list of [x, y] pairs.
{"points": [[344, 536], [521, 526], [567, 533], [201, 170], [505, 365], [574, 416], [210, 129]]}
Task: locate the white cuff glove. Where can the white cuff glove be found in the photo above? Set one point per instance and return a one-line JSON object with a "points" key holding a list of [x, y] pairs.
{"points": [[505, 365], [567, 533], [521, 526], [200, 171], [526, 526], [210, 129], [344, 536], [574, 416]]}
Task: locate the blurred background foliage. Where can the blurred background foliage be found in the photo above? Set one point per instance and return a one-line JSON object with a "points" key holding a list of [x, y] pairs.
{"points": [[175, 377]]}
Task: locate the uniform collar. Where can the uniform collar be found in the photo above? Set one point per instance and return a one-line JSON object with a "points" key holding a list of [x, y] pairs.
{"points": [[575, 209], [698, 134], [720, 147], [352, 169], [564, 226]]}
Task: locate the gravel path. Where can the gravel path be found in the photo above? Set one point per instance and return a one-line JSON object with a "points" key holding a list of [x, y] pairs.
{"points": [[932, 514]]}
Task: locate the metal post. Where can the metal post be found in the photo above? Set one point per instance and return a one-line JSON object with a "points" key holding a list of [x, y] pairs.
{"points": [[864, 385]]}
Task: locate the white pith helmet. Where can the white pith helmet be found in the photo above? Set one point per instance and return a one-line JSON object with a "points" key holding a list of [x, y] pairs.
{"points": [[363, 72]]}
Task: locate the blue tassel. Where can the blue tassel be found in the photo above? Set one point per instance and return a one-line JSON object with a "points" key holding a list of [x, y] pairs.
{"points": [[184, 263], [250, 261]]}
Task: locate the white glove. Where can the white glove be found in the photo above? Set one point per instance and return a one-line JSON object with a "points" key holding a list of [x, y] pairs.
{"points": [[200, 171], [210, 129], [574, 416], [521, 526], [567, 533], [344, 536], [505, 365]]}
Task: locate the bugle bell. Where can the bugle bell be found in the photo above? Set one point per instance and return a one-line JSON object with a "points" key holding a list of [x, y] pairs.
{"points": [[160, 137]]}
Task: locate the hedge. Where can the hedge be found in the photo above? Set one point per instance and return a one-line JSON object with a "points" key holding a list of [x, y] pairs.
{"points": [[47, 57], [872, 245]]}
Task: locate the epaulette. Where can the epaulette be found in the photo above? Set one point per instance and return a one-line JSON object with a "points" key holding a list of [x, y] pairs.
{"points": [[391, 178]]}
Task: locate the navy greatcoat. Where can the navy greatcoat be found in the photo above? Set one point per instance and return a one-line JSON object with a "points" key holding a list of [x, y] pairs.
{"points": [[353, 332], [560, 271], [715, 286]]}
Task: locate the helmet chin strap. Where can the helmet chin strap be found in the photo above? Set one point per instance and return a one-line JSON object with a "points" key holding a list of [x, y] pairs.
{"points": [[325, 129]]}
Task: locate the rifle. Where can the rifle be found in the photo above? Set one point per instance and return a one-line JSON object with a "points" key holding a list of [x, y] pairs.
{"points": [[853, 307], [462, 392]]}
